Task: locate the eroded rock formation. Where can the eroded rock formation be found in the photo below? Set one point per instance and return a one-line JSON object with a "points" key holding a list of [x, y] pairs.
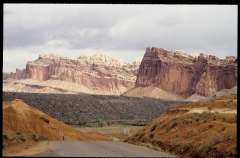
{"points": [[96, 72], [178, 72]]}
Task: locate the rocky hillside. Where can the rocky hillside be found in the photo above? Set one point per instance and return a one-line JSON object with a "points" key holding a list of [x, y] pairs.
{"points": [[97, 73], [201, 129], [182, 74], [24, 126], [113, 109]]}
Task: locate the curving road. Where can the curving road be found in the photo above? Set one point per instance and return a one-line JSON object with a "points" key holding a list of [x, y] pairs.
{"points": [[98, 149]]}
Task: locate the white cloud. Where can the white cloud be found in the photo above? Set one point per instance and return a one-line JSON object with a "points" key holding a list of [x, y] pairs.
{"points": [[122, 31]]}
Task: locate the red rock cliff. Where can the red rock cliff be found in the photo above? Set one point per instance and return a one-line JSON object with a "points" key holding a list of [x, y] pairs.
{"points": [[181, 73], [96, 72]]}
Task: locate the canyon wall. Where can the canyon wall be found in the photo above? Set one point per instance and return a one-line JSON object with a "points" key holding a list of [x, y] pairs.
{"points": [[94, 71], [178, 72]]}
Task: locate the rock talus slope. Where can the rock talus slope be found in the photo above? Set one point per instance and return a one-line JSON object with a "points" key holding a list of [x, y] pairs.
{"points": [[180, 73]]}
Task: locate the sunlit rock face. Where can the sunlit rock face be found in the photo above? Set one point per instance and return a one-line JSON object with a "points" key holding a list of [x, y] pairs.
{"points": [[178, 72], [95, 71]]}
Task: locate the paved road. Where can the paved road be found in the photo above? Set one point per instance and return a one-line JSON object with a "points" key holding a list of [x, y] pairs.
{"points": [[98, 149]]}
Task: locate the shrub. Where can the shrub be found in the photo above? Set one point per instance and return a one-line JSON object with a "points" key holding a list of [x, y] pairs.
{"points": [[174, 124], [22, 139], [186, 121], [102, 122], [187, 145], [135, 123], [163, 125], [97, 123], [82, 121], [223, 128], [69, 122], [167, 130], [224, 118], [151, 135], [18, 132], [175, 143], [5, 137], [41, 137], [89, 124], [214, 117], [205, 114], [154, 127], [34, 136], [197, 119], [141, 135]]}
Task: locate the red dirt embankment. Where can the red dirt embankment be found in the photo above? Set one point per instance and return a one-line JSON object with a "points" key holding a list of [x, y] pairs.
{"points": [[201, 129], [24, 126]]}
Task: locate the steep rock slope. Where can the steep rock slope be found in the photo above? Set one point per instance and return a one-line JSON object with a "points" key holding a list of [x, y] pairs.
{"points": [[179, 73], [96, 72]]}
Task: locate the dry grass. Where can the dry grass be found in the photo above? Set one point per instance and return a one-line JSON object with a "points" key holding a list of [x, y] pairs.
{"points": [[115, 132], [194, 130]]}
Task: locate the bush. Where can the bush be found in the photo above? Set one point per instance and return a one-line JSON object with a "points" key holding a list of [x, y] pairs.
{"points": [[18, 132], [97, 123], [135, 123], [223, 128], [69, 122], [186, 121], [5, 137], [205, 114], [141, 135], [22, 139], [167, 130], [41, 137], [82, 121], [151, 135], [154, 127], [214, 118], [174, 124], [224, 118], [34, 136]]}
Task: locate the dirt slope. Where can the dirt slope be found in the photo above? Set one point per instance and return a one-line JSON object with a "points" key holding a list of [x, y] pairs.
{"points": [[153, 92], [24, 126], [201, 129]]}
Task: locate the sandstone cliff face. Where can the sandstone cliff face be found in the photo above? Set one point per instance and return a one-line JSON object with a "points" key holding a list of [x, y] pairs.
{"points": [[96, 72], [181, 73]]}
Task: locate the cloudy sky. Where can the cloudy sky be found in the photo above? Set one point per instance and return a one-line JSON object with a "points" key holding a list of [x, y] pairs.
{"points": [[123, 30]]}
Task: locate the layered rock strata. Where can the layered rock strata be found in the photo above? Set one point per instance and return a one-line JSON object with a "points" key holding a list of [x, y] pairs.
{"points": [[96, 72], [180, 73]]}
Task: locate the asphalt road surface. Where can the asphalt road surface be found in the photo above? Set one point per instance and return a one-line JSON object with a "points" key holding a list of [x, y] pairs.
{"points": [[98, 149]]}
